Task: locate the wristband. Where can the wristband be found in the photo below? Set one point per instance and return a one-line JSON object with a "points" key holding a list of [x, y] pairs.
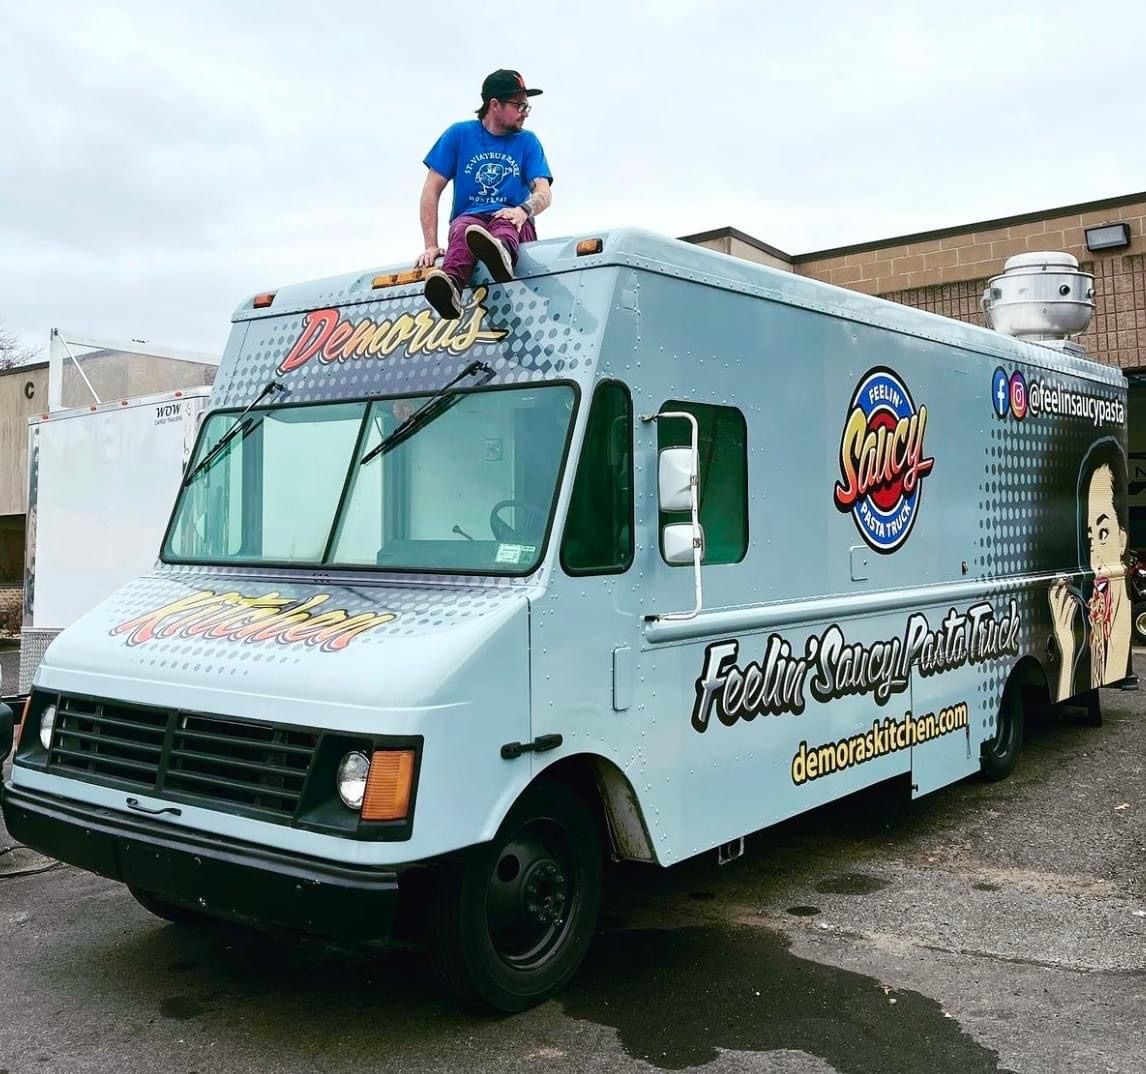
{"points": [[527, 207]]}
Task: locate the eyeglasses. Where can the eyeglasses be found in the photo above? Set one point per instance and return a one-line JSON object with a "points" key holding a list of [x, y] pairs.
{"points": [[524, 107]]}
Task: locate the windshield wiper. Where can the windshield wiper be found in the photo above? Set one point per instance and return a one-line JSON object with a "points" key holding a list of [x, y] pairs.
{"points": [[240, 426], [438, 403]]}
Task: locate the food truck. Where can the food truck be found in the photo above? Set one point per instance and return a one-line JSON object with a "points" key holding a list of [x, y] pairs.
{"points": [[650, 549]]}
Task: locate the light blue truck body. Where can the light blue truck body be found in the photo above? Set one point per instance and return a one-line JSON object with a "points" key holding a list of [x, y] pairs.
{"points": [[887, 590]]}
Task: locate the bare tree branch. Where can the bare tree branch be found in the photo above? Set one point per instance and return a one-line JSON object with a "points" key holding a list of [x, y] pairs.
{"points": [[12, 353]]}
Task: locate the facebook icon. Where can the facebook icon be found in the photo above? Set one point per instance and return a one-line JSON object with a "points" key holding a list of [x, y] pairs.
{"points": [[1000, 392]]}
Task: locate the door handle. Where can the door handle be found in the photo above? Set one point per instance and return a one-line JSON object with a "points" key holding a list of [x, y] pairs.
{"points": [[139, 807], [512, 750]]}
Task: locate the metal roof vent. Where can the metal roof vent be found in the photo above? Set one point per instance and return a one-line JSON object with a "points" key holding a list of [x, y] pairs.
{"points": [[1039, 296]]}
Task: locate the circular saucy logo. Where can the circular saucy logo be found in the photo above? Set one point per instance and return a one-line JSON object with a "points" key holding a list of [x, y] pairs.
{"points": [[881, 460]]}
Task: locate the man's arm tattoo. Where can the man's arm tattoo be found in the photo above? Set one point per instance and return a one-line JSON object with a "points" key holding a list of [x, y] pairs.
{"points": [[540, 199]]}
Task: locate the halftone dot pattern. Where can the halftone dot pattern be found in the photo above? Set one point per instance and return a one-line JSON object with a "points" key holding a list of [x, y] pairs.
{"points": [[541, 343], [418, 610], [1030, 470]]}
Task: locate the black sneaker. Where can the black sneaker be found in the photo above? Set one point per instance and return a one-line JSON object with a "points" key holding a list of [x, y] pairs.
{"points": [[490, 252], [442, 294]]}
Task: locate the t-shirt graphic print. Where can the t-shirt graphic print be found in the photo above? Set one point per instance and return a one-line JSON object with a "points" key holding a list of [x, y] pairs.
{"points": [[489, 171]]}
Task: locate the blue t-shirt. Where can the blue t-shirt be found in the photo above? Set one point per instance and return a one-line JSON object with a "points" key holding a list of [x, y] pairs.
{"points": [[489, 171]]}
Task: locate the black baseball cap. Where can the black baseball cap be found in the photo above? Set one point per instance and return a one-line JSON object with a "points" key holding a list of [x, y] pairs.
{"points": [[503, 84]]}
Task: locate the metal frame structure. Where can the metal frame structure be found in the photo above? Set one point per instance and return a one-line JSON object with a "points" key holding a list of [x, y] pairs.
{"points": [[60, 352]]}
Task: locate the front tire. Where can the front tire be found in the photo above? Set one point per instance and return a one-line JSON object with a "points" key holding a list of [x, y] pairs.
{"points": [[169, 911], [998, 755], [513, 921]]}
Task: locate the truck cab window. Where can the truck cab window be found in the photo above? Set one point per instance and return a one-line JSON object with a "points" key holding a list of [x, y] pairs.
{"points": [[470, 491], [599, 528], [272, 494], [723, 476]]}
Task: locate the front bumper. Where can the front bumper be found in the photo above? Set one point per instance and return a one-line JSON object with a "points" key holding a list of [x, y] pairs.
{"points": [[212, 874]]}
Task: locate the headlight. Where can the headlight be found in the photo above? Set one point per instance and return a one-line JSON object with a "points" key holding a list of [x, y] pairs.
{"points": [[352, 773], [47, 722]]}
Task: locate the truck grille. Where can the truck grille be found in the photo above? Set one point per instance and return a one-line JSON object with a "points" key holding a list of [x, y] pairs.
{"points": [[232, 764]]}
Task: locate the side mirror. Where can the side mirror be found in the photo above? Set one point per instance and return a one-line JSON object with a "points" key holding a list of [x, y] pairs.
{"points": [[678, 543], [675, 481], [678, 489]]}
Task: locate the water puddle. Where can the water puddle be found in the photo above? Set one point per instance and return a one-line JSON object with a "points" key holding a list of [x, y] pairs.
{"points": [[180, 1008], [852, 884], [677, 997]]}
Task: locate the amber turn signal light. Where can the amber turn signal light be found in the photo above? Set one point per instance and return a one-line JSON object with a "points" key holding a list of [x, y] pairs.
{"points": [[388, 786], [394, 279]]}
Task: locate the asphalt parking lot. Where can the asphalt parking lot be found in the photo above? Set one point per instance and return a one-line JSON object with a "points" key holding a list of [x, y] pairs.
{"points": [[987, 927]]}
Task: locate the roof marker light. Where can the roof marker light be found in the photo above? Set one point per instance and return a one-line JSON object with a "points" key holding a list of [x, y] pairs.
{"points": [[590, 246], [263, 300], [395, 279]]}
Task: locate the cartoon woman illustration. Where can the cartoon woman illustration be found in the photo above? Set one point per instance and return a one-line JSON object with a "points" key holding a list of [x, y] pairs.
{"points": [[1102, 541]]}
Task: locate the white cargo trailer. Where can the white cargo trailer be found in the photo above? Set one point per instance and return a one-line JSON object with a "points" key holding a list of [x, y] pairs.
{"points": [[101, 482]]}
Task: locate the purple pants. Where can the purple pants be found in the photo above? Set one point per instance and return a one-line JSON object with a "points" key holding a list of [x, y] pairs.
{"points": [[459, 262]]}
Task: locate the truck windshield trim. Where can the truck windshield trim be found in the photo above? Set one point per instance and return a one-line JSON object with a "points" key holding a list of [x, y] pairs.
{"points": [[474, 493]]}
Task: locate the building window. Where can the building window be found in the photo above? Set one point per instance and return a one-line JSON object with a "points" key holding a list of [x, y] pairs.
{"points": [[723, 476]]}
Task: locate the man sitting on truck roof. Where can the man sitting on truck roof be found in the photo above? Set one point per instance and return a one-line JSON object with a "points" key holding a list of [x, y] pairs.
{"points": [[501, 182]]}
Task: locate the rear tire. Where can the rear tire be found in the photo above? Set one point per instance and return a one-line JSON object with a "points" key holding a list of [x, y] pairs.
{"points": [[512, 922], [998, 755], [1138, 623], [1091, 703]]}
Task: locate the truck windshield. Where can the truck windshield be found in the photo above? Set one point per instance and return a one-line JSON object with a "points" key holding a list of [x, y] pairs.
{"points": [[471, 491]]}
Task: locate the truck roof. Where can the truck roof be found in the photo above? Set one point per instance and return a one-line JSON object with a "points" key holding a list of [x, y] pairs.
{"points": [[639, 249]]}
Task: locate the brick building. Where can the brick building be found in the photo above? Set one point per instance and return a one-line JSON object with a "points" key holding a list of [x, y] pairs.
{"points": [[945, 271]]}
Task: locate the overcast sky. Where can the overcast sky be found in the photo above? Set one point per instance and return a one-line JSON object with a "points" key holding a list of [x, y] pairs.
{"points": [[159, 164]]}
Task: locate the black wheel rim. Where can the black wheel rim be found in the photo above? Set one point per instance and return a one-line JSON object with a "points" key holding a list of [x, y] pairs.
{"points": [[531, 895]]}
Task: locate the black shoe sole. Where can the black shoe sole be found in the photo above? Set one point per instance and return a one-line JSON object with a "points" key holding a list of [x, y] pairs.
{"points": [[486, 249], [439, 295]]}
